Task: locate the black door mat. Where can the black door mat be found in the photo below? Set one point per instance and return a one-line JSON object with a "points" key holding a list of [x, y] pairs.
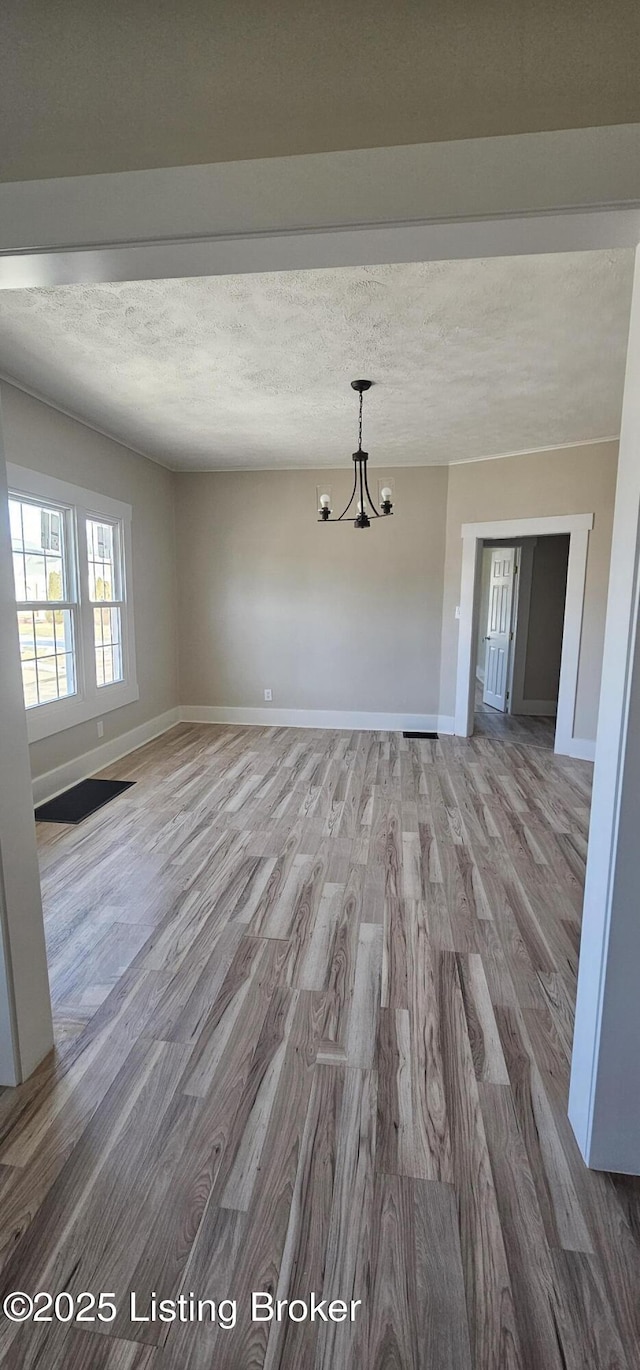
{"points": [[80, 801], [433, 736]]}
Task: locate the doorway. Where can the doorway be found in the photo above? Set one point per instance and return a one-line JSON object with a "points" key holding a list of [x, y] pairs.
{"points": [[520, 623], [511, 532]]}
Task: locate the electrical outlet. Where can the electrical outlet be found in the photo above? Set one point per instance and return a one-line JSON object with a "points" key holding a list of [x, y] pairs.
{"points": [[268, 694], [100, 726]]}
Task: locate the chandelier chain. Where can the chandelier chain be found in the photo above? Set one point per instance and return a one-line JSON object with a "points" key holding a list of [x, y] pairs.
{"points": [[360, 426]]}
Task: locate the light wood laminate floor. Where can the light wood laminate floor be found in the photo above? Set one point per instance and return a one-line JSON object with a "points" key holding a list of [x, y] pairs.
{"points": [[314, 1003], [533, 729]]}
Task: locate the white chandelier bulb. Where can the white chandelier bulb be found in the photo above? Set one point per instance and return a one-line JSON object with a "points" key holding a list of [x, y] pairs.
{"points": [[386, 495], [324, 501], [359, 506]]}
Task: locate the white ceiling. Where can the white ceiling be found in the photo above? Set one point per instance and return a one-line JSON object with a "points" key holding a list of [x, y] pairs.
{"points": [[470, 359]]}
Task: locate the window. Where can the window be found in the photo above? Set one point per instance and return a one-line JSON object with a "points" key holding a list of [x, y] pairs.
{"points": [[71, 559], [46, 602], [104, 591]]}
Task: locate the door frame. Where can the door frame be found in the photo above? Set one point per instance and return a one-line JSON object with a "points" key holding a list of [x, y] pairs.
{"points": [[578, 526]]}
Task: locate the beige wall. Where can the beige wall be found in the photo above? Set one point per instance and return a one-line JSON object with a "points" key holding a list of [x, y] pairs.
{"points": [[570, 480], [38, 437], [88, 87], [327, 617], [546, 619]]}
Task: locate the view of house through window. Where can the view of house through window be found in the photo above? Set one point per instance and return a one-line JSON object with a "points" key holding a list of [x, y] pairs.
{"points": [[104, 592], [46, 604], [74, 618]]}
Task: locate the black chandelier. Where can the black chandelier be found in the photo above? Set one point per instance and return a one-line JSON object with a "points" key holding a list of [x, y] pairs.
{"points": [[361, 492]]}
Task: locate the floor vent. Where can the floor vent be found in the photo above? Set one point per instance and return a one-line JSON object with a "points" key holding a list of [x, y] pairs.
{"points": [[81, 801], [432, 736]]}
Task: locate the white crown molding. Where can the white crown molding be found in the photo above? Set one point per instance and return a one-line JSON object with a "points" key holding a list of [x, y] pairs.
{"points": [[433, 240], [403, 466], [533, 451], [512, 174], [6, 379]]}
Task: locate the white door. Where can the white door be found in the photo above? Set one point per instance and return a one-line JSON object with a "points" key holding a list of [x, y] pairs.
{"points": [[498, 639]]}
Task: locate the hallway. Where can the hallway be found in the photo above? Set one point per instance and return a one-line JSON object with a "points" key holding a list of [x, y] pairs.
{"points": [[523, 728]]}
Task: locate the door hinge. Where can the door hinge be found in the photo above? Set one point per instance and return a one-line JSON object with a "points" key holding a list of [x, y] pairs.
{"points": [[507, 695], [511, 637]]}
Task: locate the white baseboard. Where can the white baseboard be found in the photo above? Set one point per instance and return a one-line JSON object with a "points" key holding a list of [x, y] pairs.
{"points": [[582, 748], [543, 708], [50, 784], [315, 718], [53, 782]]}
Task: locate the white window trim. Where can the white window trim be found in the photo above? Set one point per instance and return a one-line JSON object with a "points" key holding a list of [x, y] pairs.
{"points": [[90, 700]]}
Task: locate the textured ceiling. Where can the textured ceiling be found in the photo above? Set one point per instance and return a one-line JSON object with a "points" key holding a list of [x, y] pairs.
{"points": [[470, 359]]}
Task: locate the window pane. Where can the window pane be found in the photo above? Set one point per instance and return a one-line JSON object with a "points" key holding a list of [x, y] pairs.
{"points": [[47, 680], [29, 684], [32, 527], [26, 632], [50, 673], [56, 677], [45, 633], [19, 576], [55, 583], [37, 539], [101, 551], [15, 519], [66, 680], [106, 627], [106, 624], [103, 541], [36, 577], [47, 648], [63, 629]]}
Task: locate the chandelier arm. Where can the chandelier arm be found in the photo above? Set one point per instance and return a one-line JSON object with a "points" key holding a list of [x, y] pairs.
{"points": [[351, 499], [360, 470], [366, 482]]}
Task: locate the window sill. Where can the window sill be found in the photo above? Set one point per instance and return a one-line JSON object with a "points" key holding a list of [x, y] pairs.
{"points": [[46, 719]]}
